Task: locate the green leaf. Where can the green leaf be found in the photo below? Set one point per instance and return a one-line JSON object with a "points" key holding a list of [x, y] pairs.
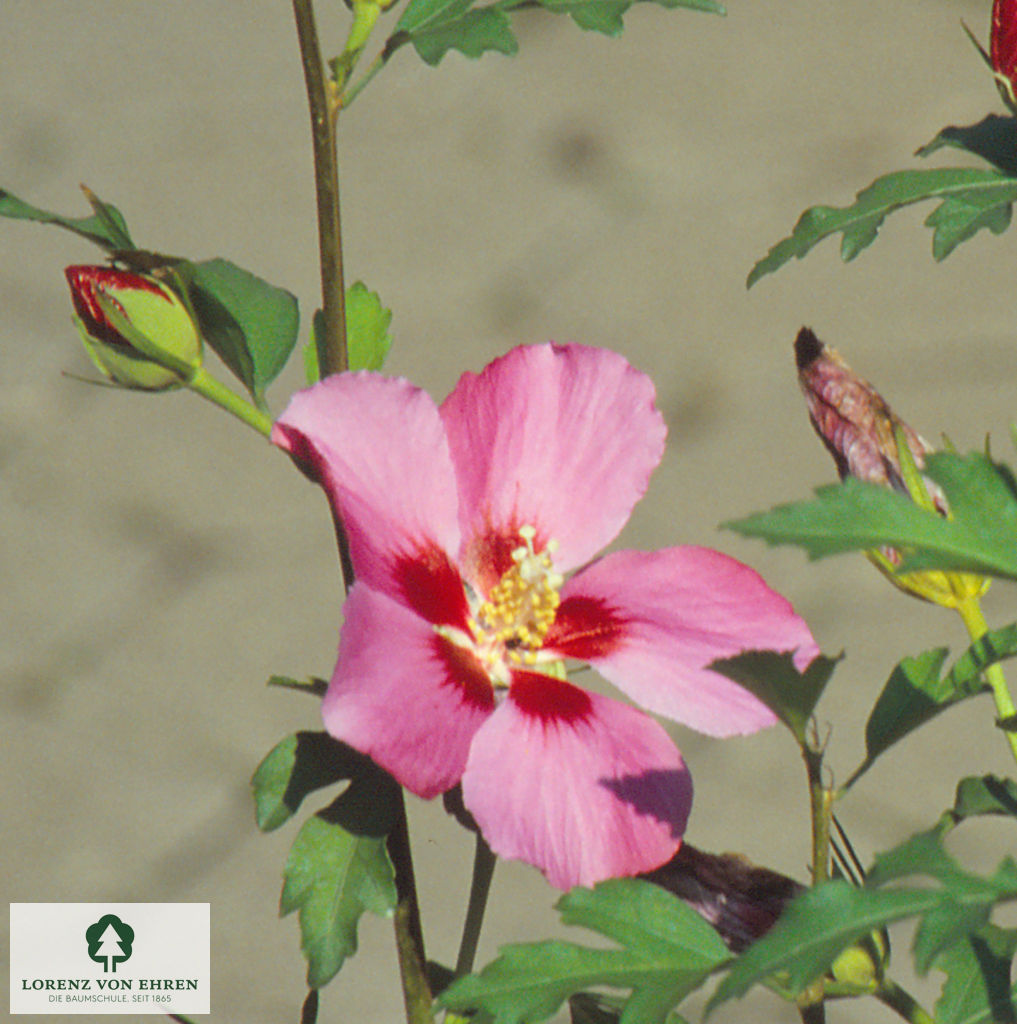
{"points": [[791, 695], [106, 227], [667, 950], [977, 988], [332, 876], [251, 324], [814, 928], [969, 198], [436, 26], [966, 899], [994, 139], [980, 537], [367, 337], [298, 765], [605, 16], [985, 794], [367, 324], [916, 692]]}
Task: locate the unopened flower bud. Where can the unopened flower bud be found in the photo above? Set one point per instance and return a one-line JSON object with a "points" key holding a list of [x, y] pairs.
{"points": [[863, 965], [865, 438], [1003, 49], [135, 330]]}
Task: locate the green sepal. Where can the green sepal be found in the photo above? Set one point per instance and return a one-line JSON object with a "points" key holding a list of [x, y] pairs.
{"points": [[120, 365], [155, 323], [314, 686]]}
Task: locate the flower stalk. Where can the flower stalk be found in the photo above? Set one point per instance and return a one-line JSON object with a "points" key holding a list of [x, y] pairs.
{"points": [[204, 384], [480, 886], [970, 611]]}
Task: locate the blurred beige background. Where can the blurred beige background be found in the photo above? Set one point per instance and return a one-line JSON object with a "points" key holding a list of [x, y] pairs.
{"points": [[159, 561]]}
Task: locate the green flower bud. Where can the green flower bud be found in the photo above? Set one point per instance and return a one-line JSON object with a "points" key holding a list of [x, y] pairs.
{"points": [[136, 331], [863, 965]]}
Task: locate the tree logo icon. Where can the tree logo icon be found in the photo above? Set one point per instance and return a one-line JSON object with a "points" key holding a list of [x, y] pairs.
{"points": [[109, 942]]}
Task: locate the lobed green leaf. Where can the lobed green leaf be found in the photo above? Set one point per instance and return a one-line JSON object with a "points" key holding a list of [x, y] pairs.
{"points": [[814, 928], [980, 537], [605, 16], [332, 876], [977, 989], [435, 27], [666, 951], [969, 199]]}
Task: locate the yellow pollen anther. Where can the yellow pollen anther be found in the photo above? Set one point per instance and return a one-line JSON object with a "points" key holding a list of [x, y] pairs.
{"points": [[521, 607]]}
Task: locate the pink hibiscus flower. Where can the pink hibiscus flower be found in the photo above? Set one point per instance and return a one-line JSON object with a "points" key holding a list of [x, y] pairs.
{"points": [[462, 521]]}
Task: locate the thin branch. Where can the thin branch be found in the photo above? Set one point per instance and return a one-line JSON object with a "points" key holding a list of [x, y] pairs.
{"points": [[332, 354]]}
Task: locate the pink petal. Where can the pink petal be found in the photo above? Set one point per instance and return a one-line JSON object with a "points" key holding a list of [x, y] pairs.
{"points": [[405, 696], [579, 785], [651, 622], [560, 437], [378, 447]]}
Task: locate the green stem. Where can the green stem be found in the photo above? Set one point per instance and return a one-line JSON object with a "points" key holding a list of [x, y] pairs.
{"points": [[813, 1013], [393, 43], [409, 934], [820, 804], [322, 99], [811, 1005], [204, 384], [480, 886], [365, 16], [970, 610], [902, 1003]]}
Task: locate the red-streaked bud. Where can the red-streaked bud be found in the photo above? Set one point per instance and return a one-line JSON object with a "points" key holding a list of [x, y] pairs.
{"points": [[1003, 48], [853, 420], [135, 330], [864, 436]]}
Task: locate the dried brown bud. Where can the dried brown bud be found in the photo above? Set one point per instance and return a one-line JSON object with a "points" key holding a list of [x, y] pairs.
{"points": [[854, 421]]}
